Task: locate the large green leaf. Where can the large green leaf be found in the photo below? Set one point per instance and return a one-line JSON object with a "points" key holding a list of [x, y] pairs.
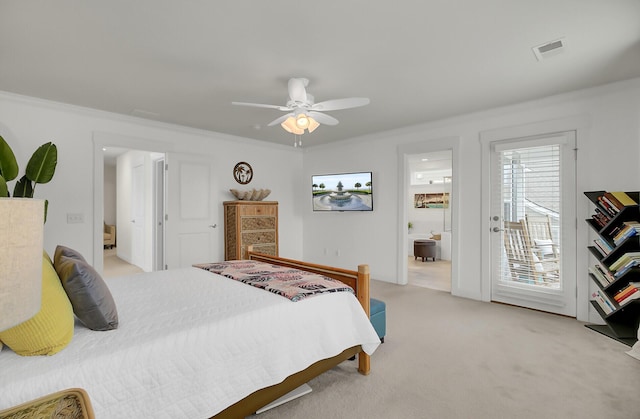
{"points": [[42, 165], [23, 188], [4, 190], [8, 163]]}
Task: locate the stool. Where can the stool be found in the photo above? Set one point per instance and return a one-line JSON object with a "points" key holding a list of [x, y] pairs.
{"points": [[424, 249], [378, 317]]}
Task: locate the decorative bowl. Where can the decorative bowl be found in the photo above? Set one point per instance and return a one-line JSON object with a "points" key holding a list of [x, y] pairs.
{"points": [[251, 195]]}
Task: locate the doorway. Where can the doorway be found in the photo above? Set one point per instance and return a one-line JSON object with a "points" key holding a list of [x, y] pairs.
{"points": [[429, 225], [134, 204], [532, 227], [445, 223]]}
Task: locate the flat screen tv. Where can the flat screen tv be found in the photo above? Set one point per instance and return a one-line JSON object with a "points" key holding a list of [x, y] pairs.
{"points": [[342, 192]]}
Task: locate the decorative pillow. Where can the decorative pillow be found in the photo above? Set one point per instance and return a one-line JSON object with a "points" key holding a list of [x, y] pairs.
{"points": [[545, 246], [51, 329], [90, 297], [68, 252]]}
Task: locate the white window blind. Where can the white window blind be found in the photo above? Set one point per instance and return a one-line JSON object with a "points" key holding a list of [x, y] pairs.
{"points": [[530, 186]]}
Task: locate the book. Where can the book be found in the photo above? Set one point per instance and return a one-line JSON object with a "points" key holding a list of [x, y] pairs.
{"points": [[599, 276], [624, 198], [624, 260], [626, 268], [617, 205], [633, 296], [606, 205], [604, 247], [600, 298], [606, 273], [601, 218], [624, 292], [628, 229]]}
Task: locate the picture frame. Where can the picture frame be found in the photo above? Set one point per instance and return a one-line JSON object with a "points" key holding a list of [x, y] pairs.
{"points": [[431, 200]]}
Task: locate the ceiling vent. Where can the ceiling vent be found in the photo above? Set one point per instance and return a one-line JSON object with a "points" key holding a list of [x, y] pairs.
{"points": [[549, 49]]}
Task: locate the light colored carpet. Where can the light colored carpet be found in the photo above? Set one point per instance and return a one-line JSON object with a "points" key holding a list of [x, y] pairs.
{"points": [[452, 358], [114, 266], [430, 274]]}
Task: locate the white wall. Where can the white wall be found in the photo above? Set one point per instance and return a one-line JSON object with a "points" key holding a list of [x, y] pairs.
{"points": [[25, 123], [607, 159], [110, 189]]}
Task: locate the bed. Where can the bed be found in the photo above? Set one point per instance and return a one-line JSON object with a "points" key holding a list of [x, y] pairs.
{"points": [[194, 344]]}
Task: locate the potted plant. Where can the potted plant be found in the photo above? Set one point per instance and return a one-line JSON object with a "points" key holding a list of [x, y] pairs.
{"points": [[40, 169]]}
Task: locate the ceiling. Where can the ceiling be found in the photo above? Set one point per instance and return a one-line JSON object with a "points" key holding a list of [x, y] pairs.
{"points": [[184, 62]]}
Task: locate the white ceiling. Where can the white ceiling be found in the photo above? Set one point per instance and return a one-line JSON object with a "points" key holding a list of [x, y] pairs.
{"points": [[184, 62]]}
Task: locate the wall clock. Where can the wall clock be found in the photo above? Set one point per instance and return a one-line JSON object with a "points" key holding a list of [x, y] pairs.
{"points": [[243, 173]]}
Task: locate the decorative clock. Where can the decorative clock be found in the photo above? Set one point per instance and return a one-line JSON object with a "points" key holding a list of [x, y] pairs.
{"points": [[243, 173]]}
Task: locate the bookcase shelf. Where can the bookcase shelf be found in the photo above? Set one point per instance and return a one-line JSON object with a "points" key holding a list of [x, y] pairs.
{"points": [[622, 322]]}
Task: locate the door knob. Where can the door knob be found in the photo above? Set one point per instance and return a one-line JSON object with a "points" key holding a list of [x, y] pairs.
{"points": [[496, 229]]}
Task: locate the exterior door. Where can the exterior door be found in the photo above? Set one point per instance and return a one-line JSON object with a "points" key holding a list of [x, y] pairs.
{"points": [[191, 229], [533, 222]]}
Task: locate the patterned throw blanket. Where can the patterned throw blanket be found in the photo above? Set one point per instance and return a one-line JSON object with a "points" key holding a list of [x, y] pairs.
{"points": [[293, 284]]}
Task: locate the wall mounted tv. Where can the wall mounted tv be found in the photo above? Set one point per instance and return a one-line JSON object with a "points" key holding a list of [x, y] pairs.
{"points": [[342, 192]]}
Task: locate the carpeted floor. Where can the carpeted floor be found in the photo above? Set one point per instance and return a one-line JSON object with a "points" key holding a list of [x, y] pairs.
{"points": [[114, 266], [452, 358]]}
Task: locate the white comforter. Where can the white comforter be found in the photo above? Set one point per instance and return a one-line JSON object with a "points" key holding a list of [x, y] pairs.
{"points": [[189, 344]]}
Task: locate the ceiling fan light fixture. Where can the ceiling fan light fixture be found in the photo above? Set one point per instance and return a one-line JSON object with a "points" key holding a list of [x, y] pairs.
{"points": [[302, 121], [313, 124], [290, 125]]}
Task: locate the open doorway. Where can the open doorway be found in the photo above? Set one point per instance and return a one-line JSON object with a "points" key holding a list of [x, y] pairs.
{"points": [[429, 214], [133, 209], [445, 222]]}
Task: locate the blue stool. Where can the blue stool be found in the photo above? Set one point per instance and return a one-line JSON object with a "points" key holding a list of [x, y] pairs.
{"points": [[378, 317]]}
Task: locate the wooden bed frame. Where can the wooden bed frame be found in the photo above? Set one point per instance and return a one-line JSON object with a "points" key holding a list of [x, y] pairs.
{"points": [[359, 281]]}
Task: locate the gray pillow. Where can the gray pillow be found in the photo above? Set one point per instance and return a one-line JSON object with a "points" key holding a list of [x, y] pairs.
{"points": [[68, 252], [90, 297]]}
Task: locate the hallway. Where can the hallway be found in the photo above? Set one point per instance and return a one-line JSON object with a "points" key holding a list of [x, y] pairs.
{"points": [[114, 266], [429, 274]]}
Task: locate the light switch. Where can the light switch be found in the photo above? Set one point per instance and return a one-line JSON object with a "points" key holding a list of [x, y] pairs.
{"points": [[75, 218]]}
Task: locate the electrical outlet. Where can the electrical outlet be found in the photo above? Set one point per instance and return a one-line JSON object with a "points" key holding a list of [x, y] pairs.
{"points": [[75, 218]]}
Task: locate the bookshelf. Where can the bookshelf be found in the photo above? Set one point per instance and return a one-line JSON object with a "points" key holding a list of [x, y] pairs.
{"points": [[616, 271]]}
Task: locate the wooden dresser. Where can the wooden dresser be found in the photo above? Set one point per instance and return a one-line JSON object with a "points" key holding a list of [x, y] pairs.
{"points": [[250, 222]]}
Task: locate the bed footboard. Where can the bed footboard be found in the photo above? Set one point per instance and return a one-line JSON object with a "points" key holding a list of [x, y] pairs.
{"points": [[358, 280]]}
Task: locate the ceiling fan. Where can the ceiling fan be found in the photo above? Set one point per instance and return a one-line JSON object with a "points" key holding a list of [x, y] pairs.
{"points": [[303, 113]]}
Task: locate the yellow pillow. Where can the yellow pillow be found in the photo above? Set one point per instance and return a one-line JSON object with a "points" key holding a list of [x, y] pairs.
{"points": [[51, 329]]}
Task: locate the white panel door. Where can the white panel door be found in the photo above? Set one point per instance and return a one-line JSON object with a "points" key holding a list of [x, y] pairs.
{"points": [[192, 233], [533, 222], [138, 215]]}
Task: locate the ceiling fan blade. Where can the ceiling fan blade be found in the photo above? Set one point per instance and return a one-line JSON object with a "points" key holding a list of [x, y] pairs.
{"points": [[297, 91], [260, 105], [335, 104], [279, 120], [323, 118]]}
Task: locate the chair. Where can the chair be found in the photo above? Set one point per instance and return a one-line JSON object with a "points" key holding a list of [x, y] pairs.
{"points": [[109, 236], [73, 403], [524, 264], [540, 236]]}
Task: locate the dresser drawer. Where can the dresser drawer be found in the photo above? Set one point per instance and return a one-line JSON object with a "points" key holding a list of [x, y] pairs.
{"points": [[258, 223], [258, 237], [259, 210], [267, 249]]}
